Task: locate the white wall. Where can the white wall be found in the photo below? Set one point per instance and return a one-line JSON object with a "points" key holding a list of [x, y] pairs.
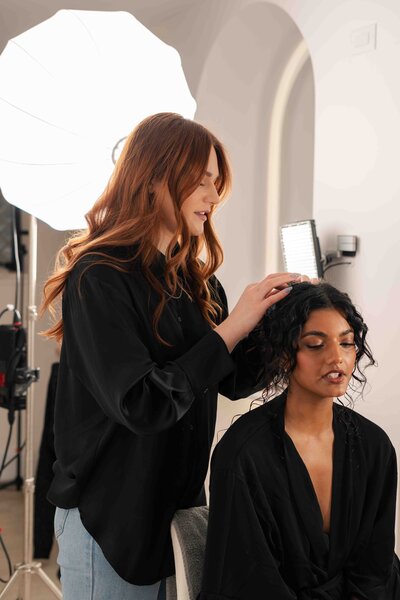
{"points": [[357, 185]]}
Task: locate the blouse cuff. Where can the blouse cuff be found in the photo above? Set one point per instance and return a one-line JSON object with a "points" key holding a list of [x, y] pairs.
{"points": [[206, 363]]}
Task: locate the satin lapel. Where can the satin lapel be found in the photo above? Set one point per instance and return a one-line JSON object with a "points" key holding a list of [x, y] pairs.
{"points": [[342, 491]]}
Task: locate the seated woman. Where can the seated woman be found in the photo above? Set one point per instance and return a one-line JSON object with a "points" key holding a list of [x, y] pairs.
{"points": [[303, 489]]}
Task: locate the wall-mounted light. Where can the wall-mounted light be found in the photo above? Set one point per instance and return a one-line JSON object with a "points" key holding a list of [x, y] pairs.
{"points": [[300, 246], [302, 253]]}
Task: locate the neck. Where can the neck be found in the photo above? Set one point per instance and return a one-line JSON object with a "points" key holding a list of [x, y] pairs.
{"points": [[164, 239], [162, 244], [308, 414]]}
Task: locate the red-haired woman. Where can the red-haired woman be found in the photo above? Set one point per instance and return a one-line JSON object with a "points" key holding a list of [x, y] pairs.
{"points": [[147, 344]]}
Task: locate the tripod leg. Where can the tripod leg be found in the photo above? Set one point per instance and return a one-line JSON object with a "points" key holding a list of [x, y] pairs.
{"points": [[27, 571], [49, 583], [15, 576]]}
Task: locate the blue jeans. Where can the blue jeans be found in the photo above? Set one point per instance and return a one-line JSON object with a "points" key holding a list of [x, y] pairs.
{"points": [[85, 573]]}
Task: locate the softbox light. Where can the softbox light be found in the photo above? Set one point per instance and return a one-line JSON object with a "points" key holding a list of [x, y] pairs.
{"points": [[70, 89]]}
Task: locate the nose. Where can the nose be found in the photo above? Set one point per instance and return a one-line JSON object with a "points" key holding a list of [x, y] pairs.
{"points": [[212, 196], [335, 355]]}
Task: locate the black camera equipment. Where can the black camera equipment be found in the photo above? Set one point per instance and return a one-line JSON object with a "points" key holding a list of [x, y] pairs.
{"points": [[15, 377]]}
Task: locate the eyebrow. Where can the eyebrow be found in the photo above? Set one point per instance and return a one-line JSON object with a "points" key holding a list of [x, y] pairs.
{"points": [[324, 335], [211, 174]]}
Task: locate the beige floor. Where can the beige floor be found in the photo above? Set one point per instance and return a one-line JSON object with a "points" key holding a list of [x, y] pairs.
{"points": [[12, 525]]}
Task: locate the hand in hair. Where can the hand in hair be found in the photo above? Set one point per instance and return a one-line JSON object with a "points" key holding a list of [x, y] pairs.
{"points": [[313, 280], [251, 306]]}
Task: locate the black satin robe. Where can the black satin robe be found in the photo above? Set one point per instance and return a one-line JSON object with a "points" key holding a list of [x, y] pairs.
{"points": [[265, 536], [134, 419]]}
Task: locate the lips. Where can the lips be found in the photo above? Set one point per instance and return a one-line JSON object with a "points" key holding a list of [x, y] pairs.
{"points": [[202, 214], [334, 377]]}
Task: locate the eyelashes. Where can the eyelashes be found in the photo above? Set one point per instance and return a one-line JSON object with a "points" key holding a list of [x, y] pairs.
{"points": [[214, 183], [319, 346]]}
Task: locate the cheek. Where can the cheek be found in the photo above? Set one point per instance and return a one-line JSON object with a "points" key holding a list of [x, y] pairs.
{"points": [[352, 360], [188, 206], [306, 365], [186, 209], [303, 363]]}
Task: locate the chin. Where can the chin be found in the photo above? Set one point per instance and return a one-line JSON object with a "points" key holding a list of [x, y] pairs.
{"points": [[196, 231]]}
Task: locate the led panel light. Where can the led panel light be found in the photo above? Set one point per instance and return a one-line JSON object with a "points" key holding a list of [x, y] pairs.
{"points": [[300, 247]]}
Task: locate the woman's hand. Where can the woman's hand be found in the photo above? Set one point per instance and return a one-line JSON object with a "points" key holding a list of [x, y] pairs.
{"points": [[252, 304]]}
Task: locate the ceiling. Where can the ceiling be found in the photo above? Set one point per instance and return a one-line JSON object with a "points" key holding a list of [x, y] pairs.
{"points": [[17, 16]]}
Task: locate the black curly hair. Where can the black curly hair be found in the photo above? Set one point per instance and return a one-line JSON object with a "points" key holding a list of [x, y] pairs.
{"points": [[281, 328]]}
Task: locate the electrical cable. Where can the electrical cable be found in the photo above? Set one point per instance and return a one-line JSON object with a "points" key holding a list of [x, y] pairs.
{"points": [[10, 569], [6, 309], [336, 265], [7, 447], [15, 457]]}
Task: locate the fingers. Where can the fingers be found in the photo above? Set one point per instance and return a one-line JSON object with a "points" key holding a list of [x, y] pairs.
{"points": [[274, 291], [277, 281], [275, 296], [280, 276], [281, 280]]}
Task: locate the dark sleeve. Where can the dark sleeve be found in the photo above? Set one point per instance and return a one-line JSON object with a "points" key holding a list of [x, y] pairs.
{"points": [[106, 351], [248, 358], [239, 561], [371, 574]]}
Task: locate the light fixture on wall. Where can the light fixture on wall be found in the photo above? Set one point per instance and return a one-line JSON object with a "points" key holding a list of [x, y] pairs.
{"points": [[347, 246], [302, 253]]}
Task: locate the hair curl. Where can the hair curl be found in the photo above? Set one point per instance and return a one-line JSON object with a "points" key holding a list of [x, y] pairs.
{"points": [[282, 325]]}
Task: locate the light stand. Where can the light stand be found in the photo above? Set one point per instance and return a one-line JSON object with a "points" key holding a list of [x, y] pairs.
{"points": [[28, 567]]}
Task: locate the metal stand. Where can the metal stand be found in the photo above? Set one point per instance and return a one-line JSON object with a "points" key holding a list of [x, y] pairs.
{"points": [[29, 567], [18, 481]]}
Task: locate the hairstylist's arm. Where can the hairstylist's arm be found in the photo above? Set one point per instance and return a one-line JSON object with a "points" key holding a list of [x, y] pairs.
{"points": [[251, 306]]}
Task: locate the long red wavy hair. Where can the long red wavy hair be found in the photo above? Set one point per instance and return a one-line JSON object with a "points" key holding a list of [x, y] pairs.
{"points": [[165, 148]]}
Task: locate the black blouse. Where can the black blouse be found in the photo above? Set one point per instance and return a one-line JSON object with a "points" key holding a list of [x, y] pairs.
{"points": [[265, 535], [134, 419]]}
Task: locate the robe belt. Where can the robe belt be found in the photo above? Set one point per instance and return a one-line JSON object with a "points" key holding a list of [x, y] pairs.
{"points": [[330, 590]]}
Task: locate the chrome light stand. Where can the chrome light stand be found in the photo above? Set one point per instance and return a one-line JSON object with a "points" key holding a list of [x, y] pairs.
{"points": [[28, 567]]}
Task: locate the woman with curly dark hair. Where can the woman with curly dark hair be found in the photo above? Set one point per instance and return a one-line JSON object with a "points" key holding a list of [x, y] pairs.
{"points": [[303, 489]]}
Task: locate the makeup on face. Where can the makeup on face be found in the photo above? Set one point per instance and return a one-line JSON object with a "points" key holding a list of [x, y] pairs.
{"points": [[326, 355]]}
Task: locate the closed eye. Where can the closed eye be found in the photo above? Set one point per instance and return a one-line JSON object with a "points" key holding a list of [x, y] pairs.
{"points": [[314, 346], [214, 183]]}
